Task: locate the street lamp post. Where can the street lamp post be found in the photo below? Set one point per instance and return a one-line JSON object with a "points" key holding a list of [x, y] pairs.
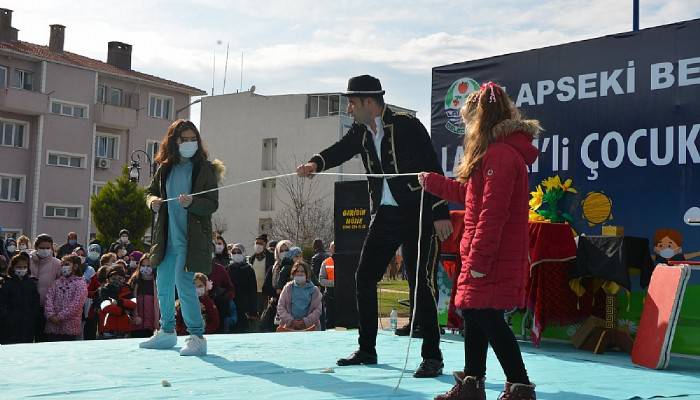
{"points": [[135, 175]]}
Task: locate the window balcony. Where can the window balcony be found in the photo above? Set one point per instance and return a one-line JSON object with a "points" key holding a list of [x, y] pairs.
{"points": [[23, 101], [115, 116]]}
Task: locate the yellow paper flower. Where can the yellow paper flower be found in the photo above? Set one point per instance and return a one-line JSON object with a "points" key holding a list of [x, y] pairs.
{"points": [[553, 182], [536, 200], [567, 186], [534, 217]]}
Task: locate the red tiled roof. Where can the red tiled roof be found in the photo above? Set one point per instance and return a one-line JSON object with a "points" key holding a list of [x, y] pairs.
{"points": [[66, 57]]}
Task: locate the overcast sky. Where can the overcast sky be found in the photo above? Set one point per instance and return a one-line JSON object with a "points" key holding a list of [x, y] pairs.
{"points": [[299, 46]]}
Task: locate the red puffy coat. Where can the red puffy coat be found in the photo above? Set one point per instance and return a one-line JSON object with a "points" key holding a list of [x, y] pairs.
{"points": [[495, 239]]}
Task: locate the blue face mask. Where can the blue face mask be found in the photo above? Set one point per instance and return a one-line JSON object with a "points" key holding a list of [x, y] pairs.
{"points": [[72, 242], [187, 149]]}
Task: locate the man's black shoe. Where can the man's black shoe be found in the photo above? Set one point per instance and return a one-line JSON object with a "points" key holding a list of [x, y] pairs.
{"points": [[360, 357], [406, 330], [429, 368]]}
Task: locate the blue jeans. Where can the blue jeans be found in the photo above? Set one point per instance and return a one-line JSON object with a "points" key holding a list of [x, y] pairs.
{"points": [[171, 274]]}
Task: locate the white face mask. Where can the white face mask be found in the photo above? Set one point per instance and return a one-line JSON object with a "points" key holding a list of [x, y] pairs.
{"points": [[82, 260], [21, 272], [22, 247], [146, 270], [238, 258], [201, 291], [187, 149], [124, 239], [219, 248], [44, 253], [93, 255], [667, 253], [299, 279], [11, 248], [259, 248], [66, 270], [132, 264], [283, 255], [121, 253]]}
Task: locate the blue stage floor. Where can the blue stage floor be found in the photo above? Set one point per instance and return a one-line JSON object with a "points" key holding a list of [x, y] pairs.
{"points": [[289, 366]]}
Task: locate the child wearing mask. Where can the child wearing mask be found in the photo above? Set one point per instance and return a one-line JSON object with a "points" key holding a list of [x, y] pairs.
{"points": [[64, 303], [223, 291], [86, 271], [11, 247], [120, 251], [123, 241], [292, 257], [243, 278], [222, 253], [23, 244], [93, 256], [281, 261], [47, 269], [299, 306], [146, 315], [91, 309], [133, 263], [19, 303], [210, 314], [115, 303]]}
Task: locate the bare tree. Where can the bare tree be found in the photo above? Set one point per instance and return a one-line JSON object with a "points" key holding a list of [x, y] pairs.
{"points": [[303, 215], [219, 224]]}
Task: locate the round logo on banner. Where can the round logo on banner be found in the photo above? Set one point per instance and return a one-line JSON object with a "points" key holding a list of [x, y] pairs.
{"points": [[454, 100]]}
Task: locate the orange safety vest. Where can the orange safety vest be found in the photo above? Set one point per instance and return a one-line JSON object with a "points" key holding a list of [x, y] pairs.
{"points": [[329, 265]]}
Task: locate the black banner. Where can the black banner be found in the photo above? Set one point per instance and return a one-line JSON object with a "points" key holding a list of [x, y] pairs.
{"points": [[351, 214]]}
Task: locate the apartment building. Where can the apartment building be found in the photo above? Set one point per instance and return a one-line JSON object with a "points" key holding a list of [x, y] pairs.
{"points": [[68, 124]]}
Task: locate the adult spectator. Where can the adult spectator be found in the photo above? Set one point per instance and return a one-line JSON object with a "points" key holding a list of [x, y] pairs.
{"points": [[124, 241], [69, 246]]}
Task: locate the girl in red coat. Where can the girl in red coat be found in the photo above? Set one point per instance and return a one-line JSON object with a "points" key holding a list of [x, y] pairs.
{"points": [[116, 304], [210, 314], [492, 183]]}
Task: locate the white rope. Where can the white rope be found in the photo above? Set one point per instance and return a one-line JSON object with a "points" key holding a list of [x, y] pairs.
{"points": [[415, 291], [420, 234], [292, 174]]}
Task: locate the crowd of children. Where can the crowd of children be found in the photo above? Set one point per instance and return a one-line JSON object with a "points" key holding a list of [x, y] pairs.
{"points": [[87, 294]]}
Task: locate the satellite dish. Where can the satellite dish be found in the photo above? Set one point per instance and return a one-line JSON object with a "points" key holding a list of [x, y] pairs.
{"points": [[252, 89]]}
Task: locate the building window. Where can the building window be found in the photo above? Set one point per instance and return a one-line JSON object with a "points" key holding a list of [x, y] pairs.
{"points": [[3, 76], [269, 154], [12, 188], [12, 134], [152, 148], [101, 92], [96, 187], [69, 160], [69, 109], [325, 105], [160, 106], [265, 226], [115, 96], [267, 195], [107, 146], [63, 211], [23, 79]]}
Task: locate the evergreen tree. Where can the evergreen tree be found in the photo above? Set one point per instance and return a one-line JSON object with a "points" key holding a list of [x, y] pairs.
{"points": [[121, 204]]}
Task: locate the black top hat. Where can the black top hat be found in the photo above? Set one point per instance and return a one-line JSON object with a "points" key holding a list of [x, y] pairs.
{"points": [[364, 85]]}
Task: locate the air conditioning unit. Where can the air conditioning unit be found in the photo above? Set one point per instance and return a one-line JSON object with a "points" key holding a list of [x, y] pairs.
{"points": [[102, 163]]}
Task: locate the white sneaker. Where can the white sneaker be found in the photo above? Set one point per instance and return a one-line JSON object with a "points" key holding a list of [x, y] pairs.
{"points": [[161, 340], [194, 346]]}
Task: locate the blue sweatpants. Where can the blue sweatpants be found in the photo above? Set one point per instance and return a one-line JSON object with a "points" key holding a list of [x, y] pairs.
{"points": [[171, 274]]}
